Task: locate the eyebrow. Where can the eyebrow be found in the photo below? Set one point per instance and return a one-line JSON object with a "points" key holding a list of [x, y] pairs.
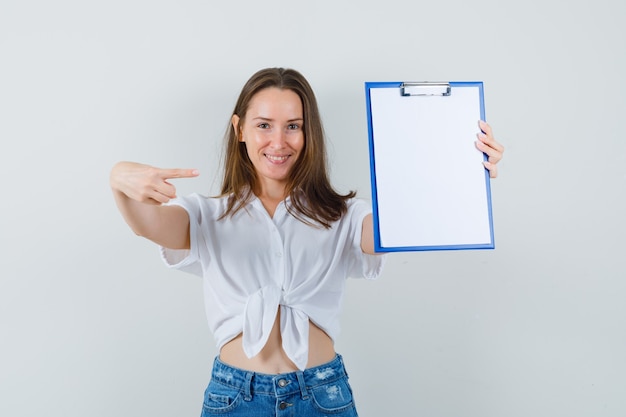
{"points": [[298, 119]]}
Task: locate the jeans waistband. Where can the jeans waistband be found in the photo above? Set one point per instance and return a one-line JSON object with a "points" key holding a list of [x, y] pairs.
{"points": [[255, 383]]}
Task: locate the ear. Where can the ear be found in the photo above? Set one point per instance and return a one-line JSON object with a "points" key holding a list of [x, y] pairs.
{"points": [[235, 122]]}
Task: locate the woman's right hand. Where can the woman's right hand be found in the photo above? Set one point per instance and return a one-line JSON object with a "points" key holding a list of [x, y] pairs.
{"points": [[140, 191], [145, 183]]}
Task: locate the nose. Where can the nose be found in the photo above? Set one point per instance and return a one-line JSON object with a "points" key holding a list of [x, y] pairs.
{"points": [[278, 139]]}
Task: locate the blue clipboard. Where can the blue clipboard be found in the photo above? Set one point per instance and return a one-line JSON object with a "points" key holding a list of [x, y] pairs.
{"points": [[430, 190]]}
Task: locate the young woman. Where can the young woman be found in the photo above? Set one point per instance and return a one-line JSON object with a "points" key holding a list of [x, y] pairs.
{"points": [[274, 250]]}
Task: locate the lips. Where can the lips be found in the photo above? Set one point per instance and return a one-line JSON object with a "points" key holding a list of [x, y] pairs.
{"points": [[277, 158]]}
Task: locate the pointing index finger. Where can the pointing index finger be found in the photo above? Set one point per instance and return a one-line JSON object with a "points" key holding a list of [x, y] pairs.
{"points": [[179, 173]]}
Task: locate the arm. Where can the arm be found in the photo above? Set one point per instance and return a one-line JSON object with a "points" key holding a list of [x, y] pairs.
{"points": [[367, 236], [485, 143], [140, 191]]}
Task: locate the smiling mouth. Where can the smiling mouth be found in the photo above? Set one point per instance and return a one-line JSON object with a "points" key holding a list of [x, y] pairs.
{"points": [[277, 158]]}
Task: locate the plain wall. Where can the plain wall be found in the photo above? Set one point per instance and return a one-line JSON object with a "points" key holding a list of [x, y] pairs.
{"points": [[91, 322]]}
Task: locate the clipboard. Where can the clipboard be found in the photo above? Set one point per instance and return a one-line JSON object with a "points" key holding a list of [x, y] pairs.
{"points": [[430, 190]]}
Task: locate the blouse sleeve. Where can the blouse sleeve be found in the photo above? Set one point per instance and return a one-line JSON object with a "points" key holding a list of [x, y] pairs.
{"points": [[187, 260], [365, 265]]}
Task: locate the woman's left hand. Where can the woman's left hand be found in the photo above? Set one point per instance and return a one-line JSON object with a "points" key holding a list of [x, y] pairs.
{"points": [[488, 145]]}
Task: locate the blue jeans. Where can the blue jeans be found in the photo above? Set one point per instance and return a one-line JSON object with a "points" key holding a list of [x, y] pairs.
{"points": [[319, 391]]}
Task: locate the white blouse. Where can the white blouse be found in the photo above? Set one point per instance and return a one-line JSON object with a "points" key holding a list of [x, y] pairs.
{"points": [[252, 264]]}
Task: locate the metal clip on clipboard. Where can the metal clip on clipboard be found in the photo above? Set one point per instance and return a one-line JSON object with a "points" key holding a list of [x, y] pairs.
{"points": [[425, 89]]}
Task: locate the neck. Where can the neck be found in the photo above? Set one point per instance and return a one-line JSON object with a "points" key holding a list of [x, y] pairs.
{"points": [[273, 192], [271, 197]]}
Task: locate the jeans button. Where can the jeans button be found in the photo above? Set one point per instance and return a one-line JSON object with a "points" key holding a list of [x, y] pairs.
{"points": [[282, 383], [283, 405]]}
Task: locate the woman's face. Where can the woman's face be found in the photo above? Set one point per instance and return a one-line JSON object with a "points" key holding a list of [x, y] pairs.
{"points": [[274, 135]]}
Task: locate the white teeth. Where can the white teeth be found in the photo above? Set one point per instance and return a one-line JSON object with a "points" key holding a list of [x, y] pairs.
{"points": [[277, 158]]}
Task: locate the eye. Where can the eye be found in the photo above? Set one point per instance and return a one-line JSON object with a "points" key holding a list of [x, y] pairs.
{"points": [[263, 125], [293, 126]]}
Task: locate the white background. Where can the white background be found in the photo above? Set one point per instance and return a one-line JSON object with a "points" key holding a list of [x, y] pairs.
{"points": [[91, 323]]}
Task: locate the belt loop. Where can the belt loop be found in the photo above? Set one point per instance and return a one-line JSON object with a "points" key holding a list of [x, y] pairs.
{"points": [[303, 391], [247, 389], [342, 365]]}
